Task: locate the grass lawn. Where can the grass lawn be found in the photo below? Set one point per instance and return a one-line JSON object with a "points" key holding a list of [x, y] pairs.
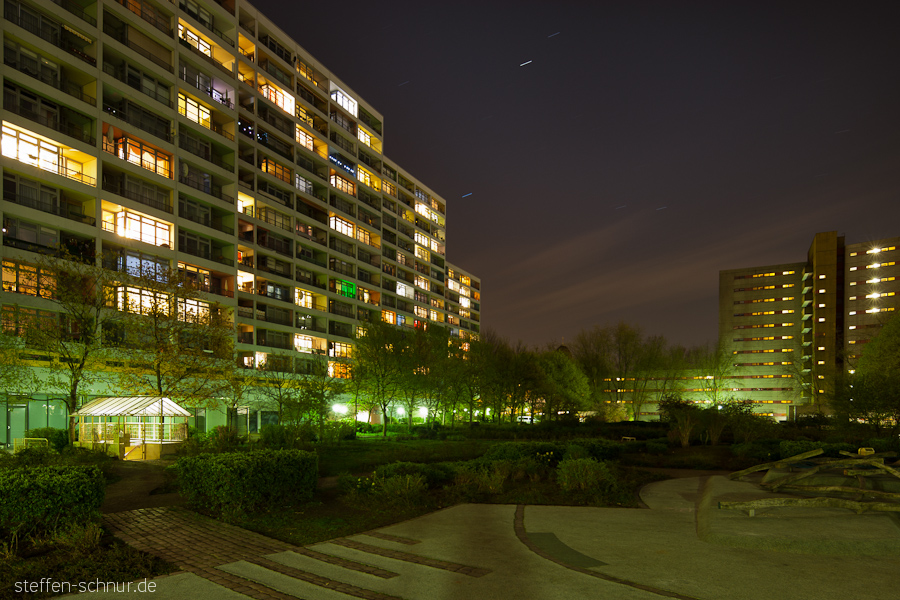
{"points": [[363, 455]]}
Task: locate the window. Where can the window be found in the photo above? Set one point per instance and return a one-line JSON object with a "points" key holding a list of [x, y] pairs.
{"points": [[31, 233], [389, 188], [389, 317], [367, 178], [404, 290], [194, 40], [27, 279], [135, 226], [340, 350], [422, 253], [303, 298], [191, 310], [303, 343], [194, 111], [341, 225], [141, 301], [279, 98], [344, 185], [344, 101], [303, 184], [364, 136], [344, 288], [138, 153], [422, 283], [364, 236], [23, 147], [422, 239], [339, 370], [421, 311], [304, 139], [273, 168]]}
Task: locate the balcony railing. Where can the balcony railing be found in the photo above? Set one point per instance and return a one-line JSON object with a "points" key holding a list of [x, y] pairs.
{"points": [[69, 129], [136, 119], [112, 70], [147, 13], [206, 57], [205, 185], [63, 209], [122, 38], [197, 149], [118, 187], [209, 91], [204, 252], [207, 221], [39, 27], [68, 88]]}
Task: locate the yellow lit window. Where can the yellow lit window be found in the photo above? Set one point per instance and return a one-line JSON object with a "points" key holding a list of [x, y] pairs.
{"points": [[304, 139], [135, 226], [389, 317], [303, 298], [340, 350], [303, 343], [368, 178], [276, 96], [193, 311], [348, 187], [422, 283], [141, 301], [194, 111], [338, 370], [273, 168], [341, 225], [194, 40]]}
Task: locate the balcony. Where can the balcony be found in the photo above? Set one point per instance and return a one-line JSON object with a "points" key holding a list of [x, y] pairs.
{"points": [[208, 123], [53, 122], [119, 73], [208, 23], [122, 37], [143, 120], [204, 252], [47, 29], [206, 57], [281, 246], [31, 69], [116, 185], [203, 150], [62, 208], [195, 79], [149, 14], [207, 221], [203, 182]]}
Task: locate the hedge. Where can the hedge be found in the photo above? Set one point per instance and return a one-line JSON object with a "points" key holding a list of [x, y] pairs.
{"points": [[238, 482], [37, 500]]}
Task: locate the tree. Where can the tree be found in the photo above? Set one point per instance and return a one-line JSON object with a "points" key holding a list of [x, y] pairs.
{"points": [[82, 297], [560, 385], [715, 366], [16, 377], [177, 344], [872, 391], [682, 416], [377, 363], [279, 385], [316, 390]]}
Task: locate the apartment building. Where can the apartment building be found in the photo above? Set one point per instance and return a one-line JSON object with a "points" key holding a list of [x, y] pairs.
{"points": [[790, 327], [199, 136]]}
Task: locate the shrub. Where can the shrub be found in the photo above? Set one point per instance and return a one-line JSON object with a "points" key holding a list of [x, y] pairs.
{"points": [[233, 483], [794, 447], [656, 446], [224, 439], [58, 438], [39, 500], [399, 490], [286, 437], [762, 450], [584, 475], [434, 474]]}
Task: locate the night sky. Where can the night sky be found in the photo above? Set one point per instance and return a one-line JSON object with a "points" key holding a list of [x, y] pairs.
{"points": [[645, 147]]}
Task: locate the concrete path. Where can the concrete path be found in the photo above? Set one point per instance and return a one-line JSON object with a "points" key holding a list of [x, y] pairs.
{"points": [[683, 547]]}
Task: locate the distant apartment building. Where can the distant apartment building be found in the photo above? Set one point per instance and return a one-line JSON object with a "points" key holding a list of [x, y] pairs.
{"points": [[790, 327], [200, 137]]}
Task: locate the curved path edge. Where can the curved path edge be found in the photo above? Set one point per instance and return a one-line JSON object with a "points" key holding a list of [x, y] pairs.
{"points": [[519, 526]]}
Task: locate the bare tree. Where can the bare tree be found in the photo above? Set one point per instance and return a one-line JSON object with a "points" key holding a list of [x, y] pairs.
{"points": [[177, 344], [80, 296]]}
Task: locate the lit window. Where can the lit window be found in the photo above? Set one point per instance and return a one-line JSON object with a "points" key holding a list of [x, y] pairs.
{"points": [[28, 149], [338, 370], [279, 98], [304, 139], [341, 225], [421, 312], [821, 277], [821, 319], [271, 167], [303, 343], [194, 40], [821, 306], [821, 291], [141, 301], [191, 310], [303, 298], [821, 362], [348, 187], [340, 350], [422, 253], [367, 178], [404, 290], [422, 239], [821, 347], [389, 317], [138, 153], [138, 227], [194, 111], [422, 283], [344, 101], [852, 312]]}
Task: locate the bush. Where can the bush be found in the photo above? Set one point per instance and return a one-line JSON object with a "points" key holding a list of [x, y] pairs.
{"points": [[790, 448], [656, 446], [58, 438], [434, 474], [233, 483], [762, 450], [39, 500], [285, 437], [584, 475], [400, 490]]}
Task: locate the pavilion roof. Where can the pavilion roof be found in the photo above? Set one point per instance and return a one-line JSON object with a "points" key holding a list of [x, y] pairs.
{"points": [[151, 406]]}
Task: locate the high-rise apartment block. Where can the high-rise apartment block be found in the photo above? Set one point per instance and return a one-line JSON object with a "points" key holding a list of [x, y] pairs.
{"points": [[789, 328], [198, 136]]}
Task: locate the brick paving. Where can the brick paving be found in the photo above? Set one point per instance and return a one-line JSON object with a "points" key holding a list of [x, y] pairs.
{"points": [[392, 538], [199, 545]]}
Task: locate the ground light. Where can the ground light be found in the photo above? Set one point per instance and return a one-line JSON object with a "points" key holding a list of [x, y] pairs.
{"points": [[340, 409]]}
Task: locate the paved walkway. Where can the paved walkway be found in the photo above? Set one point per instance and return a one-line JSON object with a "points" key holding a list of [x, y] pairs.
{"points": [[683, 547]]}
